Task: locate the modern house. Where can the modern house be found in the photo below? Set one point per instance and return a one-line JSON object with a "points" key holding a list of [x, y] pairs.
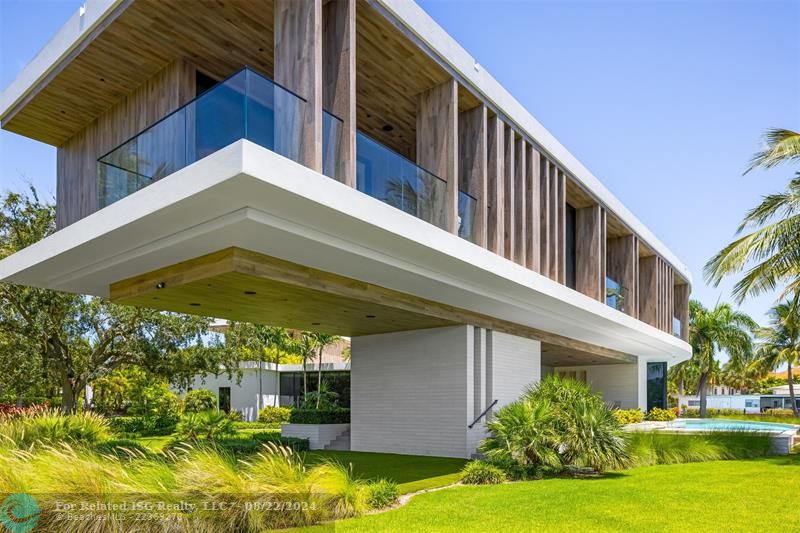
{"points": [[344, 166]]}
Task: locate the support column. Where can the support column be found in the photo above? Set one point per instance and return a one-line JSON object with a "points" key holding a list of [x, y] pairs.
{"points": [[437, 146], [473, 168], [339, 84], [496, 198], [298, 67]]}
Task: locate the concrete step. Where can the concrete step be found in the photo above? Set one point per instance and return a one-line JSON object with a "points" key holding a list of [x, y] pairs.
{"points": [[342, 442]]}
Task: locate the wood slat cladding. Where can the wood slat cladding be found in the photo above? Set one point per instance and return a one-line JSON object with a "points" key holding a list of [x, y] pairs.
{"points": [[589, 252], [544, 216], [437, 143], [473, 165], [495, 148], [622, 265], [339, 80], [552, 205], [509, 194], [221, 284], [76, 159], [681, 308], [532, 186], [520, 202], [656, 292], [298, 67]]}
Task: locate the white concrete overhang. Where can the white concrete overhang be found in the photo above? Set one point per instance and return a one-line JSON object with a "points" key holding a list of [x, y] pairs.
{"points": [[249, 197]]}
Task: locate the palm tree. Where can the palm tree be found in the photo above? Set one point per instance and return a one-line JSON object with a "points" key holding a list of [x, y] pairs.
{"points": [[322, 340], [771, 246], [780, 343], [712, 331]]}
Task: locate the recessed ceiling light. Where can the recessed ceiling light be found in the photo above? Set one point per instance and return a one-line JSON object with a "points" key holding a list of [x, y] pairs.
{"points": [[250, 293], [315, 323], [370, 316], [160, 285], [387, 127], [193, 304]]}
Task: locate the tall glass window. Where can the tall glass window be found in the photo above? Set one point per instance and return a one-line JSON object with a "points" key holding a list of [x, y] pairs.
{"points": [[656, 385], [569, 231]]}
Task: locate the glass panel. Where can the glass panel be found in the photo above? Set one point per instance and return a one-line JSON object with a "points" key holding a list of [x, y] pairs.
{"points": [[467, 206], [656, 385], [393, 179], [676, 326], [615, 295], [331, 145], [245, 106]]}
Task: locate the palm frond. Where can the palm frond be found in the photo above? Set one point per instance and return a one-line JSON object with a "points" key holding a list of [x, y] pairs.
{"points": [[782, 146]]}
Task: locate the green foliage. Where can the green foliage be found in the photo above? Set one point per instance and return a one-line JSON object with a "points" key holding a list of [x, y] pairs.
{"points": [[210, 425], [694, 413], [199, 400], [628, 416], [122, 448], [274, 415], [650, 448], [382, 493], [557, 422], [139, 426], [656, 414], [296, 444], [324, 399], [779, 412], [52, 427], [482, 473], [320, 416]]}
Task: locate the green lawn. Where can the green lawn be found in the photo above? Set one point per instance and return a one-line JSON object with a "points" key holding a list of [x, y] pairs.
{"points": [[156, 444], [716, 496], [410, 472]]}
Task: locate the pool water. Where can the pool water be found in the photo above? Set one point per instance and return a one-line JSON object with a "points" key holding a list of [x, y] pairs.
{"points": [[728, 425]]}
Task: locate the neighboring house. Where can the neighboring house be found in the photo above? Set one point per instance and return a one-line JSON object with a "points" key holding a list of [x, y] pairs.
{"points": [[271, 386], [384, 187], [748, 403]]}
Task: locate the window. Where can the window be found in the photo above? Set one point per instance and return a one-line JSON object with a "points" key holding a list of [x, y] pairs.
{"points": [[336, 382], [225, 399], [751, 403], [656, 385], [569, 236], [694, 403]]}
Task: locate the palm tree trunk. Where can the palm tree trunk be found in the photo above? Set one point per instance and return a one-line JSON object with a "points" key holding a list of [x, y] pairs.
{"points": [[790, 379], [702, 387], [319, 376], [305, 377]]}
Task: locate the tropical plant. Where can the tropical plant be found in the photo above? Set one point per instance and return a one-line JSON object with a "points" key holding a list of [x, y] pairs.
{"points": [[628, 416], [322, 340], [198, 401], [482, 473], [322, 398], [650, 448], [656, 414], [53, 427], [274, 415], [382, 493], [712, 331], [782, 146], [523, 433], [779, 344], [211, 425]]}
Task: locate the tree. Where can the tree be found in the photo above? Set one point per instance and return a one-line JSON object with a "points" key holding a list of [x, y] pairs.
{"points": [[322, 340], [81, 338], [779, 344], [771, 246], [712, 331]]}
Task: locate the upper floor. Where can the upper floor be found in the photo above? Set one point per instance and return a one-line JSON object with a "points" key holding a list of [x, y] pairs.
{"points": [[370, 93]]}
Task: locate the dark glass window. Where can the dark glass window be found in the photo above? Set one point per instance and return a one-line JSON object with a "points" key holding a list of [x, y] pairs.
{"points": [[337, 382], [569, 231], [656, 385], [225, 399], [202, 83]]}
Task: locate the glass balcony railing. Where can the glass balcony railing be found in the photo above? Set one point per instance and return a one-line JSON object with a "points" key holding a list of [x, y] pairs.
{"points": [[676, 326], [247, 105], [615, 295], [391, 178]]}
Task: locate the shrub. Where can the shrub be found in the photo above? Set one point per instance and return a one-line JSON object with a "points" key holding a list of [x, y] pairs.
{"points": [[199, 400], [482, 473], [650, 448], [274, 415], [208, 424], [320, 416], [558, 422], [296, 444], [382, 493], [657, 414], [628, 416], [779, 412], [123, 448], [53, 427], [11, 410], [155, 400], [139, 426], [695, 413], [235, 416]]}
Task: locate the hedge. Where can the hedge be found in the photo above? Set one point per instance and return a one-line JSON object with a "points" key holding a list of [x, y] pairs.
{"points": [[142, 426], [320, 416]]}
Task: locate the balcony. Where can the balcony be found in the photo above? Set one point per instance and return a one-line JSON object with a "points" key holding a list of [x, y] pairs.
{"points": [[615, 295], [245, 106], [249, 106]]}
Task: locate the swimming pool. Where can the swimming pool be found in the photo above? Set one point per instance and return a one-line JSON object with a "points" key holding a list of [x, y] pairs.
{"points": [[719, 424]]}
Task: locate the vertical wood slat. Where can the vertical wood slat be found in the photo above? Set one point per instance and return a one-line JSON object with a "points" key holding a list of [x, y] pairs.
{"points": [[603, 253], [649, 290], [682, 308], [532, 212], [561, 209], [495, 176], [339, 81], [520, 204], [509, 194], [473, 166], [544, 216], [298, 67], [622, 259], [437, 146], [589, 258]]}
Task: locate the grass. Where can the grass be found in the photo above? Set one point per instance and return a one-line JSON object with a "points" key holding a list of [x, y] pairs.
{"points": [[155, 444], [743, 495], [650, 448], [763, 418], [410, 472]]}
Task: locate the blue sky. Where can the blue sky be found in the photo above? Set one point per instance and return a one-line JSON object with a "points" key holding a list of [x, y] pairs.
{"points": [[664, 101]]}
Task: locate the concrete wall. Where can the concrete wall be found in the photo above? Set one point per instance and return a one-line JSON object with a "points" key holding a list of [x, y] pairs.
{"points": [[618, 384], [244, 395], [727, 401], [417, 392]]}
